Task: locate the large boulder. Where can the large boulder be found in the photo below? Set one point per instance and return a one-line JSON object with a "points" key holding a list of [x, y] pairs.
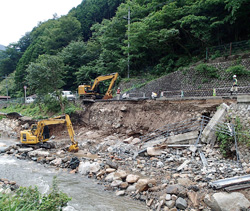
{"points": [[38, 153], [227, 201], [87, 167]]}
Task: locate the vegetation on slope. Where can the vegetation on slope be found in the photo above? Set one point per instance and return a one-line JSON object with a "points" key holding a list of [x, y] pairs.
{"points": [[93, 39]]}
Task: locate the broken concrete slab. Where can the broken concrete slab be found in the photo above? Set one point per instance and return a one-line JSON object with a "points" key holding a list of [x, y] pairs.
{"points": [[153, 143], [208, 134], [154, 151], [183, 165], [227, 201], [181, 138], [243, 99]]}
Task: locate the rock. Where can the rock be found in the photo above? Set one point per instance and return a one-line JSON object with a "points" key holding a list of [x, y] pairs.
{"points": [[123, 185], [87, 167], [38, 153], [128, 140], [184, 181], [73, 171], [153, 151], [131, 188], [181, 203], [56, 162], [135, 141], [7, 191], [25, 149], [3, 145], [110, 170], [131, 178], [142, 185], [149, 202], [110, 177], [193, 197], [227, 201], [74, 163], [120, 193], [248, 171], [198, 178], [173, 189], [168, 197], [112, 164], [120, 174], [116, 183], [170, 204], [123, 108]]}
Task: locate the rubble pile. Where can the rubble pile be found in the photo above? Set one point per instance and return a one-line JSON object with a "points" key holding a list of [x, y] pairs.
{"points": [[6, 186], [165, 178]]}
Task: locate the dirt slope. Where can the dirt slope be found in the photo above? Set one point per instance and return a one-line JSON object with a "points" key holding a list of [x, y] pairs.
{"points": [[139, 117]]}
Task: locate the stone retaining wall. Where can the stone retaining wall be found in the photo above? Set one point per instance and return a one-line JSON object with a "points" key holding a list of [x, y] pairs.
{"points": [[190, 79]]}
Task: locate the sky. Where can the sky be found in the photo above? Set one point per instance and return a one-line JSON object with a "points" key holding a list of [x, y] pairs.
{"points": [[20, 16]]}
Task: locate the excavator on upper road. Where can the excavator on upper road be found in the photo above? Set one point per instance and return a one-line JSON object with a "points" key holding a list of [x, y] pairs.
{"points": [[39, 133], [92, 92]]}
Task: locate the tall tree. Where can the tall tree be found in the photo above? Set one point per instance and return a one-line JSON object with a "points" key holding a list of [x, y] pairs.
{"points": [[46, 76]]}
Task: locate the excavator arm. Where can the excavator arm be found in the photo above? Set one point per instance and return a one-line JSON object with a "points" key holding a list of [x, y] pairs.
{"points": [[37, 133], [86, 90]]}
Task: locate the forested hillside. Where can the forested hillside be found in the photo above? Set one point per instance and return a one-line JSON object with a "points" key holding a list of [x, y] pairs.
{"points": [[92, 39]]}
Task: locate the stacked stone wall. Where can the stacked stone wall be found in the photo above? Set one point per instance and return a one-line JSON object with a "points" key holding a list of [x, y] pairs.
{"points": [[192, 81]]}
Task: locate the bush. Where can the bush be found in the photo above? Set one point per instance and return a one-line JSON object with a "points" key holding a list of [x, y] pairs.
{"points": [[238, 70], [209, 71], [226, 142], [31, 199]]}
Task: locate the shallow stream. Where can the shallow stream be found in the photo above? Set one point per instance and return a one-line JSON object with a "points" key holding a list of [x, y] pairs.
{"points": [[85, 193]]}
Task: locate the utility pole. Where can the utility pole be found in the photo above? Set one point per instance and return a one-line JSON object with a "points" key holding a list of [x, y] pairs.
{"points": [[7, 86], [128, 39], [128, 18]]}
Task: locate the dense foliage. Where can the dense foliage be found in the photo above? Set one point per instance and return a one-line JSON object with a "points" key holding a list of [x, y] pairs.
{"points": [[31, 199], [94, 39]]}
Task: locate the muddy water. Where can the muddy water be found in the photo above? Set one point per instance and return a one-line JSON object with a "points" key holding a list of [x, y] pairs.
{"points": [[85, 193]]}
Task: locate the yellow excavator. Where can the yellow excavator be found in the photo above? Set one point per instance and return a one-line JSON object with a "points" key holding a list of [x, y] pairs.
{"points": [[39, 133], [88, 91]]}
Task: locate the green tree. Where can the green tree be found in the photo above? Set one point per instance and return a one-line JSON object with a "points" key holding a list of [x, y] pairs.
{"points": [[46, 76]]}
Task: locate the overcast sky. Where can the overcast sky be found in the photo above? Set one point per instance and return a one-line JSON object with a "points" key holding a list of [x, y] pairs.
{"points": [[20, 16]]}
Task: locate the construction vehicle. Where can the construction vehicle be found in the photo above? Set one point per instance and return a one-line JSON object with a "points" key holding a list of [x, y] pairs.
{"points": [[39, 133], [88, 91]]}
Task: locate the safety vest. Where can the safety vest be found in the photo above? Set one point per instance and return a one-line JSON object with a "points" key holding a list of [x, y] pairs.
{"points": [[235, 82], [118, 91]]}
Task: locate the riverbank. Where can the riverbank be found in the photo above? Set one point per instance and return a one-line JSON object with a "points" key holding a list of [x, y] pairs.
{"points": [[168, 179]]}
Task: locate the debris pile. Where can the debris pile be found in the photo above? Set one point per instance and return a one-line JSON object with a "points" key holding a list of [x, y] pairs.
{"points": [[165, 178]]}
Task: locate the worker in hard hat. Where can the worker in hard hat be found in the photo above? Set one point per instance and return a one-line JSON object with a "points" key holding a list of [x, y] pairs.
{"points": [[235, 85], [118, 93]]}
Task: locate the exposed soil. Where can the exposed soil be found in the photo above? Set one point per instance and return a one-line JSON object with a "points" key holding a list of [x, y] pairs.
{"points": [[135, 118]]}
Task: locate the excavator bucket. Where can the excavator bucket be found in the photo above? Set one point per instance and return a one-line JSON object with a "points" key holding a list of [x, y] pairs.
{"points": [[73, 148]]}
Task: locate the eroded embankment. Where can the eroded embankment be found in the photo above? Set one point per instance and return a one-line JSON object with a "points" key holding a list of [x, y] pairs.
{"points": [[139, 117]]}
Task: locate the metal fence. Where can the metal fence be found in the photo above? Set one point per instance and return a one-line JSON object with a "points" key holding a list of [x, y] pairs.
{"points": [[227, 49], [224, 91]]}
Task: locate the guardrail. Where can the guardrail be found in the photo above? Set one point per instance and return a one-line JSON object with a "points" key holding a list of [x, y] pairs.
{"points": [[225, 91]]}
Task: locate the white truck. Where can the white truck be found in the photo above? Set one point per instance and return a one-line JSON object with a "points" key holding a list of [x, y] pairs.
{"points": [[69, 95]]}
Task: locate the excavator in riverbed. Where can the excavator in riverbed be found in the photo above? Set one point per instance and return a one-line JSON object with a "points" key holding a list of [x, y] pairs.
{"points": [[92, 92], [39, 133]]}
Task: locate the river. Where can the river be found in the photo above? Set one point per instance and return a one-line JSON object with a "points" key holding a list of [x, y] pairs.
{"points": [[85, 193]]}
